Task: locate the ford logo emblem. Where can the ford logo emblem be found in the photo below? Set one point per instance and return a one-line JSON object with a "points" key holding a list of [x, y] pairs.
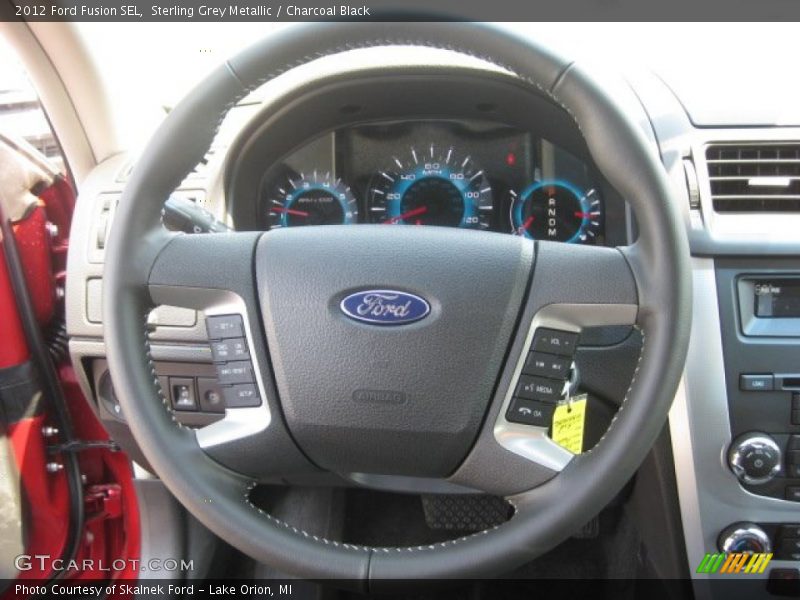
{"points": [[385, 307]]}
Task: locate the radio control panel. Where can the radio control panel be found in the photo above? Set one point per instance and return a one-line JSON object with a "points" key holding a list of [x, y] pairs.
{"points": [[760, 326]]}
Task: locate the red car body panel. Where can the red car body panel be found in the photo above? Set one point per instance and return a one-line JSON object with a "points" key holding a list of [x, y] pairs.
{"points": [[111, 532]]}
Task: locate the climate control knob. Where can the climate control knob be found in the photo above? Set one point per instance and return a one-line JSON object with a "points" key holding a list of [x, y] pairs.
{"points": [[755, 458], [744, 537]]}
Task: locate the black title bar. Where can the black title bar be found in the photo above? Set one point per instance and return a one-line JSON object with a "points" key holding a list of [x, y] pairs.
{"points": [[393, 10]]}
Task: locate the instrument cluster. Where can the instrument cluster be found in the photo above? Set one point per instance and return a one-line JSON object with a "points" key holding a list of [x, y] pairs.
{"points": [[468, 174]]}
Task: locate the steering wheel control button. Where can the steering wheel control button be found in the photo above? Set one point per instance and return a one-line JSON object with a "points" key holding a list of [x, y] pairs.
{"points": [[224, 327], [235, 383], [210, 395], [241, 396], [235, 372], [232, 349], [545, 378], [530, 412], [182, 393], [538, 388], [756, 383], [547, 365], [755, 458], [554, 341]]}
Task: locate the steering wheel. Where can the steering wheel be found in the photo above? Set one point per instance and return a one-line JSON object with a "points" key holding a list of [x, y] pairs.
{"points": [[422, 399]]}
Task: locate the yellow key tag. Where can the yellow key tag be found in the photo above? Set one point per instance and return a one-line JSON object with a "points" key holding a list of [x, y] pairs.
{"points": [[568, 424]]}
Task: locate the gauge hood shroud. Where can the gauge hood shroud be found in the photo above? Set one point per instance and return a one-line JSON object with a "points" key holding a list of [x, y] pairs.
{"points": [[439, 373]]}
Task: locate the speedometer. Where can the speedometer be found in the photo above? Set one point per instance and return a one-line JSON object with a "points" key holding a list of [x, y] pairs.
{"points": [[431, 187]]}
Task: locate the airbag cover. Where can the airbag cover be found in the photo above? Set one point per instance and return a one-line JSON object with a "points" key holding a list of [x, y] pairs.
{"points": [[405, 398]]}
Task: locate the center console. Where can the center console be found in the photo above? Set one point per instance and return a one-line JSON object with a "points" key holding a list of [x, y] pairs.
{"points": [[759, 308], [735, 423]]}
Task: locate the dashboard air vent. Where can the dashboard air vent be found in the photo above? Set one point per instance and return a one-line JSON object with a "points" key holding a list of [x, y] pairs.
{"points": [[754, 177]]}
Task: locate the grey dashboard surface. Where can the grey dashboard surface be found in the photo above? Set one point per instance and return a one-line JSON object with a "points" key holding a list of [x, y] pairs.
{"points": [[767, 99]]}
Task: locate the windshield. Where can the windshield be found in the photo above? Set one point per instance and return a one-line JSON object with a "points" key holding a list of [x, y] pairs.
{"points": [[694, 57]]}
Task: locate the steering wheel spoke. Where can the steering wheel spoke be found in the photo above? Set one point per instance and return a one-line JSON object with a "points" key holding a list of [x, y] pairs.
{"points": [[573, 288], [213, 274], [200, 271]]}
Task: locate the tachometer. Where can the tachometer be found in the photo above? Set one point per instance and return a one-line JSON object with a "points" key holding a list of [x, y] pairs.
{"points": [[556, 210], [431, 187], [311, 200]]}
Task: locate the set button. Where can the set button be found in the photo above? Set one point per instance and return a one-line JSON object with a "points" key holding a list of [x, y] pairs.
{"points": [[222, 327]]}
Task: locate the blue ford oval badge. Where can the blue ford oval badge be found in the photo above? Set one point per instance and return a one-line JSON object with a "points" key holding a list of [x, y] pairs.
{"points": [[385, 307]]}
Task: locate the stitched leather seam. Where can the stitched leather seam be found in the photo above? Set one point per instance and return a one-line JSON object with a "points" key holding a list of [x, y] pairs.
{"points": [[156, 383], [627, 394]]}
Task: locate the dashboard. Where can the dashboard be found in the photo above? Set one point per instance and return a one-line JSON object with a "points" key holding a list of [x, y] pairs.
{"points": [[482, 152], [472, 174]]}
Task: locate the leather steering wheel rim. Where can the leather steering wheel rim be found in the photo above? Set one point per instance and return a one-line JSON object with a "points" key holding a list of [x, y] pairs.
{"points": [[545, 515]]}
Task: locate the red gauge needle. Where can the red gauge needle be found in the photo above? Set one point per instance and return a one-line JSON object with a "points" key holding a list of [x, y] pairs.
{"points": [[292, 211], [407, 215], [528, 223], [583, 215]]}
